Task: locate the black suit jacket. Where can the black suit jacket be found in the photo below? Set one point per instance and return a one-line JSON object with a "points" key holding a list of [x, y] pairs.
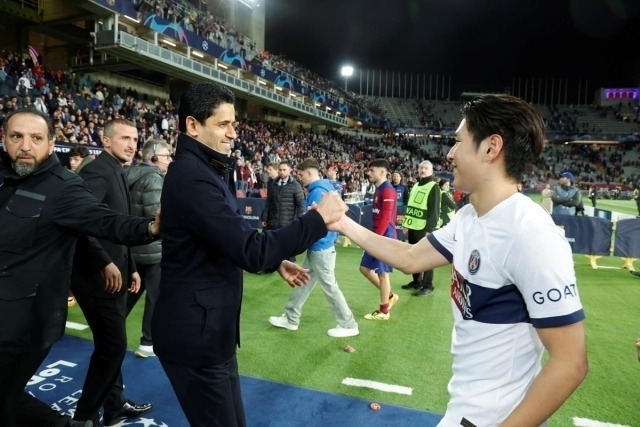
{"points": [[105, 177]]}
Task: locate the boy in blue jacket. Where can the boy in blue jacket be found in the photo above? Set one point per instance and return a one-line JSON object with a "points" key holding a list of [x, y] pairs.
{"points": [[321, 262]]}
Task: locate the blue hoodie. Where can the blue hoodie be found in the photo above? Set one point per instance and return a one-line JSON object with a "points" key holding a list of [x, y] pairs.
{"points": [[316, 190]]}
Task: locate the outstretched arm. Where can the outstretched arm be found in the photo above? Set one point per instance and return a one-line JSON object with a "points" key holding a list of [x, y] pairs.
{"points": [[408, 258]]}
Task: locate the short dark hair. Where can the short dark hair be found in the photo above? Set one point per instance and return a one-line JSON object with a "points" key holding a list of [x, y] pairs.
{"points": [[111, 124], [518, 123], [380, 163], [442, 182], [201, 100], [309, 163], [33, 111], [79, 151], [285, 162]]}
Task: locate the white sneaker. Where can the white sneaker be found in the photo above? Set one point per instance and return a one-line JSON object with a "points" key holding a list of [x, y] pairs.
{"points": [[340, 332], [145, 351], [282, 322]]}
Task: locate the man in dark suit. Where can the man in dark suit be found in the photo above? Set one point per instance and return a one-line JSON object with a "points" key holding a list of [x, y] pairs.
{"points": [[102, 272], [206, 243]]}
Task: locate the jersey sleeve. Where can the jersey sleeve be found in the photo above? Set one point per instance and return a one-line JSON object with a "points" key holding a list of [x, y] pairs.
{"points": [[541, 263]]}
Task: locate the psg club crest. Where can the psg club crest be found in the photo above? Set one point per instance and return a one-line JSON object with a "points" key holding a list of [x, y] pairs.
{"points": [[474, 262]]}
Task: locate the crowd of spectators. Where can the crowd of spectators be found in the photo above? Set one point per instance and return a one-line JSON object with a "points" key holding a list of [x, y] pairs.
{"points": [[79, 108]]}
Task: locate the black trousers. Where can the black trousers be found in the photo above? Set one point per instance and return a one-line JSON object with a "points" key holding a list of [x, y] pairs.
{"points": [[18, 408], [209, 396], [150, 282], [103, 385], [424, 279]]}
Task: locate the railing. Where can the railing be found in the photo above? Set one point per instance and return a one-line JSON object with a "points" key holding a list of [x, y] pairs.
{"points": [[153, 51]]}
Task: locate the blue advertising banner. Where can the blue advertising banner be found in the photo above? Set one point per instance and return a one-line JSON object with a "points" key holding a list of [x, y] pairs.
{"points": [[627, 241], [586, 235], [251, 208]]}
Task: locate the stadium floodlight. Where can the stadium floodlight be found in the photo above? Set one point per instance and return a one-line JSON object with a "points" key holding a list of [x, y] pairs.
{"points": [[346, 71]]}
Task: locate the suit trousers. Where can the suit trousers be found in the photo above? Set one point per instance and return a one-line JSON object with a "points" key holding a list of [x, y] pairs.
{"points": [[18, 408], [424, 279], [209, 396], [103, 385], [150, 282]]}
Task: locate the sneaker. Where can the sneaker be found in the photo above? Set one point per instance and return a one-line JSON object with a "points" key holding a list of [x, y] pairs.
{"points": [[377, 315], [282, 322], [393, 300], [145, 351], [424, 292], [71, 301], [411, 285], [340, 332]]}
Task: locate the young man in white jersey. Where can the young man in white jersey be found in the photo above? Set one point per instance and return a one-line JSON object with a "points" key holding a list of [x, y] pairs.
{"points": [[507, 310]]}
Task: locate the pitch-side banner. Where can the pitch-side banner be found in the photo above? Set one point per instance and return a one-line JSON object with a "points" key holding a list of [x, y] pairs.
{"points": [[586, 235], [627, 241]]}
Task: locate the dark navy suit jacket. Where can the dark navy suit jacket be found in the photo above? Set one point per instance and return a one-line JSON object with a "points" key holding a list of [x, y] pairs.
{"points": [[206, 245]]}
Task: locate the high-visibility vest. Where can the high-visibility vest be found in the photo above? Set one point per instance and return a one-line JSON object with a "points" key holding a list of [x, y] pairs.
{"points": [[415, 218]]}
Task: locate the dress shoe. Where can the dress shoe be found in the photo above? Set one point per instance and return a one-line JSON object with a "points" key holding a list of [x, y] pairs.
{"points": [[411, 285], [128, 410], [424, 292]]}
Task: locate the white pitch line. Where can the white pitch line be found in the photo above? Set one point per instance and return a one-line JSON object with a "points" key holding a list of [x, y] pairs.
{"points": [[391, 388], [586, 422], [76, 326]]}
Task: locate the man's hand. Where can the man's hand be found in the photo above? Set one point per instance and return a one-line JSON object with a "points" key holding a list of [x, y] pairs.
{"points": [[331, 207], [155, 225], [112, 278], [135, 283], [294, 274]]}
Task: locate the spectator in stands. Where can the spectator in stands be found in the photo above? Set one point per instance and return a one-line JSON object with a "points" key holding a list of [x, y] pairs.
{"points": [[321, 262], [332, 175], [566, 196], [79, 157], [547, 203], [503, 316], [206, 245], [145, 181], [401, 190], [385, 211], [34, 249]]}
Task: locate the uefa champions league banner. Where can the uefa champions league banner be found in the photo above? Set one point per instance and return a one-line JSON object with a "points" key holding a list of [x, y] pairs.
{"points": [[627, 239], [586, 235]]}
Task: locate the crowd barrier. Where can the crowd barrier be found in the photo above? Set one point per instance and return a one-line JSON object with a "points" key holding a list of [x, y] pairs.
{"points": [[593, 236]]}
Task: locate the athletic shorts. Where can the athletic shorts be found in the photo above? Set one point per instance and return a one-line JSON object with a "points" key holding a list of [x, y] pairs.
{"points": [[374, 264]]}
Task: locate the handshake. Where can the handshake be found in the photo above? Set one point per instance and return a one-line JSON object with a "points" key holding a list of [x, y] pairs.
{"points": [[332, 209]]}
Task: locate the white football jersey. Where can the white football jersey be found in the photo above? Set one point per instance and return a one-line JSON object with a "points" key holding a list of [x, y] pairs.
{"points": [[512, 272]]}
